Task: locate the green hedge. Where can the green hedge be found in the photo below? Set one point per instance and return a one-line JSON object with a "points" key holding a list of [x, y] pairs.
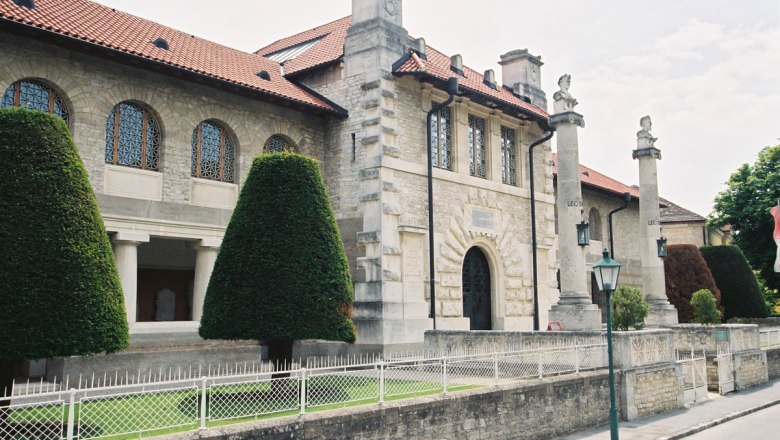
{"points": [[59, 290], [686, 272], [281, 273], [741, 296]]}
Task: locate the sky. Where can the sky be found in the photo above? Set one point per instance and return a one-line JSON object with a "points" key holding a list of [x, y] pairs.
{"points": [[706, 71]]}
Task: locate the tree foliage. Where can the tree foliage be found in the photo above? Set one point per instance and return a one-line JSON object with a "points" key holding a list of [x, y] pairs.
{"points": [[686, 272], [705, 307], [282, 272], [740, 294], [59, 289], [630, 308], [752, 191]]}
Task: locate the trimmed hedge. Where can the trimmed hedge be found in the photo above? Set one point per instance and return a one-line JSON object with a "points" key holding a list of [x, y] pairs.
{"points": [[686, 272], [281, 273], [741, 296], [60, 293]]}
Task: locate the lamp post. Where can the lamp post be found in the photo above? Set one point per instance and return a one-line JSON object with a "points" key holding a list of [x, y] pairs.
{"points": [[607, 271]]}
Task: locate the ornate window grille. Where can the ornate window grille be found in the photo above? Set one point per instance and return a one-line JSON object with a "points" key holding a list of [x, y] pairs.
{"points": [[35, 95], [594, 223], [477, 153], [278, 144], [508, 156], [213, 152], [132, 137], [441, 145]]}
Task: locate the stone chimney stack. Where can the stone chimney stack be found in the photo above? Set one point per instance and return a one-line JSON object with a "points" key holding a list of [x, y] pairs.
{"points": [[521, 72], [368, 10], [376, 39]]}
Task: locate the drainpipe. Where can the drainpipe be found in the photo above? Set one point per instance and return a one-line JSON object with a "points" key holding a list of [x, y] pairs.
{"points": [[547, 136], [626, 201], [452, 90]]}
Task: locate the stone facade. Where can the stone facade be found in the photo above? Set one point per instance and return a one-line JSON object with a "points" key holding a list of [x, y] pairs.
{"points": [[773, 363]]}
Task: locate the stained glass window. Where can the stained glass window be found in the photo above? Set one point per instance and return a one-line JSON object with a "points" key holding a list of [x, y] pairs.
{"points": [[508, 156], [441, 146], [477, 153], [277, 144], [35, 95], [213, 152], [132, 137]]}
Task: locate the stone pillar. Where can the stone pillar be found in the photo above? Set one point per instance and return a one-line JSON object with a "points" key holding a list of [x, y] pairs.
{"points": [[126, 256], [575, 310], [662, 313], [205, 255]]}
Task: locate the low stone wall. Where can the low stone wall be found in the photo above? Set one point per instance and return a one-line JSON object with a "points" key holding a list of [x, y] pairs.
{"points": [[549, 409], [455, 342], [773, 362], [750, 369]]}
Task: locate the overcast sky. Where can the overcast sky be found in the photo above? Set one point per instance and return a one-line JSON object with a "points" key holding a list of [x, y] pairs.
{"points": [[707, 71]]}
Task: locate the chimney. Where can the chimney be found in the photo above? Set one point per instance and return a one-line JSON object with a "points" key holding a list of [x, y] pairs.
{"points": [[490, 78], [456, 64], [369, 10], [521, 72], [376, 38], [420, 47]]}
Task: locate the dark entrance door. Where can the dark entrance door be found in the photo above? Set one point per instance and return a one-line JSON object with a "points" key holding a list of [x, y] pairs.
{"points": [[476, 289]]}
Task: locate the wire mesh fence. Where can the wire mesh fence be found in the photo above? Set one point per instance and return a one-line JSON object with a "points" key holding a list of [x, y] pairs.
{"points": [[132, 406]]}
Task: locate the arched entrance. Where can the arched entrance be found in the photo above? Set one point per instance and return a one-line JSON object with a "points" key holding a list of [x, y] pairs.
{"points": [[476, 289]]}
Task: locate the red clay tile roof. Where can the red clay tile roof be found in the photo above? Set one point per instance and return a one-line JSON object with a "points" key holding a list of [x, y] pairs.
{"points": [[438, 66], [331, 48], [97, 24], [328, 49], [593, 178]]}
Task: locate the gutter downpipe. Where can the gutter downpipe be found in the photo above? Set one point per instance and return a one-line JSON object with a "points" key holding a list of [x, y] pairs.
{"points": [[626, 201], [546, 137], [452, 90]]}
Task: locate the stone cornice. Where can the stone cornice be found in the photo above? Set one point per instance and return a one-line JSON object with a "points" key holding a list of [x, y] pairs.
{"points": [[653, 152], [567, 118]]}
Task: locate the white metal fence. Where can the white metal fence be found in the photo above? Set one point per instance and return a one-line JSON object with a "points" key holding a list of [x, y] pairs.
{"points": [[694, 367], [188, 402], [769, 337]]}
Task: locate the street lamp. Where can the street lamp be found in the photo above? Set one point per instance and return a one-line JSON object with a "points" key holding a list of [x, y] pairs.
{"points": [[583, 231], [661, 242], [607, 271]]}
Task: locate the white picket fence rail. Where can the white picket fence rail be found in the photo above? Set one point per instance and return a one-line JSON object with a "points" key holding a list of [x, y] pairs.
{"points": [[193, 402], [769, 337], [694, 368]]}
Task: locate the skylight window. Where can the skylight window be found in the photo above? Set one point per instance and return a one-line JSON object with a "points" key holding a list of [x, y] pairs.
{"points": [[284, 55]]}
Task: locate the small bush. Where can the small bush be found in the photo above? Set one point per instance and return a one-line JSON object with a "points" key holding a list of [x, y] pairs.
{"points": [[630, 308], [705, 308], [740, 293], [686, 272]]}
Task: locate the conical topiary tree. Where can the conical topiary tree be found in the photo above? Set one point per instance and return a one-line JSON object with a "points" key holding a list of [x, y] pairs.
{"points": [[59, 290], [281, 273], [686, 272], [741, 296]]}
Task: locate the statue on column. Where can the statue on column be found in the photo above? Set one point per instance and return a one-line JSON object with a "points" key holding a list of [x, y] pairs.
{"points": [[775, 211], [564, 102], [644, 139]]}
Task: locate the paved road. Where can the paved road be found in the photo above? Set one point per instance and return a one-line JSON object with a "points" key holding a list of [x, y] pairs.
{"points": [[764, 424]]}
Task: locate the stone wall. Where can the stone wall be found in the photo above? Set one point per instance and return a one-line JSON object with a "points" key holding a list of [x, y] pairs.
{"points": [[452, 342], [750, 369], [773, 362], [550, 409], [655, 390]]}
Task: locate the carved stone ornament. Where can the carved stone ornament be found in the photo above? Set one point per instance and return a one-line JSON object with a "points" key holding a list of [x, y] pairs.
{"points": [[644, 139], [391, 7], [564, 102]]}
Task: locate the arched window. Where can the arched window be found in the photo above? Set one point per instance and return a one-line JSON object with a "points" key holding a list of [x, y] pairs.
{"points": [[213, 152], [35, 95], [594, 224], [278, 144], [132, 137]]}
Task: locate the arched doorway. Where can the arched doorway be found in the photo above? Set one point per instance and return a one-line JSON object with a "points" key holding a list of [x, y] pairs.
{"points": [[476, 289]]}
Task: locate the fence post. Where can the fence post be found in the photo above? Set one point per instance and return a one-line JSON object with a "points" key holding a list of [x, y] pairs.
{"points": [[203, 405], [445, 379], [71, 414], [541, 364], [495, 367], [576, 359], [303, 391], [381, 381]]}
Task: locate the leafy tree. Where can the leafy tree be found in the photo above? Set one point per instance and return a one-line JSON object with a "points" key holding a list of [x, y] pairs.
{"points": [[282, 272], [705, 307], [752, 191], [59, 289], [630, 308], [740, 294], [686, 272]]}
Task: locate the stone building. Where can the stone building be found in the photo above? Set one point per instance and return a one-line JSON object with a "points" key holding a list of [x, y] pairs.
{"points": [[167, 125]]}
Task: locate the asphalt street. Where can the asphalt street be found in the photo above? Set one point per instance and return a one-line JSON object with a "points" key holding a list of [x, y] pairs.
{"points": [[764, 425]]}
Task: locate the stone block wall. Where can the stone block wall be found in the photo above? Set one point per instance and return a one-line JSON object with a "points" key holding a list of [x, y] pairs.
{"points": [[773, 362], [750, 369], [453, 342], [550, 409], [650, 391]]}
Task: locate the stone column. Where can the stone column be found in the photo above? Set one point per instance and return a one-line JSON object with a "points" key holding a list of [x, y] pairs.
{"points": [[575, 310], [205, 255], [662, 313], [126, 256]]}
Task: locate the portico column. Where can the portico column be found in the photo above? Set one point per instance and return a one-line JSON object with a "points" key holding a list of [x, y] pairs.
{"points": [[205, 256], [662, 313], [126, 257], [575, 309]]}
